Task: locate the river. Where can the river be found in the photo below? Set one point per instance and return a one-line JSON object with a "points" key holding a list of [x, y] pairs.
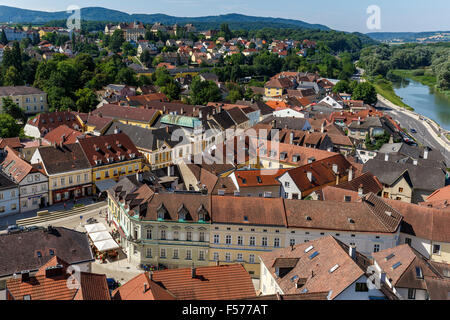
{"points": [[425, 101]]}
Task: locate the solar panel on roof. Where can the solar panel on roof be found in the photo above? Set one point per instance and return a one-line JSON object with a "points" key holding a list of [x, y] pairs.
{"points": [[314, 254], [395, 266]]}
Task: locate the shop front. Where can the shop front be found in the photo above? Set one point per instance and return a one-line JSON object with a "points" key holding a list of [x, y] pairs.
{"points": [[71, 193]]}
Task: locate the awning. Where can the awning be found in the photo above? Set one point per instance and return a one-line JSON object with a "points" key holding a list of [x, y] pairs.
{"points": [[106, 245], [100, 236], [104, 185], [95, 227]]}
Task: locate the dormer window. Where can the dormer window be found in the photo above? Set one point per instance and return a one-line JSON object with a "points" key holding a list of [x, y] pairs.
{"points": [[182, 213], [202, 213], [162, 212], [132, 156]]}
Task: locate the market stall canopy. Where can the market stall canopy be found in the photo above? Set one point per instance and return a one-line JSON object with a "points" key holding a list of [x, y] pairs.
{"points": [[100, 236], [96, 227], [106, 245]]}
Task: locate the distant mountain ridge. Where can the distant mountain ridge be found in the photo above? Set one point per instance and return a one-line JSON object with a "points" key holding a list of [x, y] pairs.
{"points": [[17, 15]]}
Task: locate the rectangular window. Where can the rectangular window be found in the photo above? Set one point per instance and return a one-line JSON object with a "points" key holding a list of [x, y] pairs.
{"points": [[148, 253], [292, 242], [276, 242], [251, 258], [286, 184], [264, 241], [78, 178], [202, 236], [216, 239], [201, 255], [188, 254], [408, 241], [400, 189], [63, 181], [228, 257], [361, 287], [240, 240], [189, 236], [70, 180], [411, 294], [216, 256], [239, 257], [228, 239], [13, 206], [437, 249], [86, 177], [175, 253], [149, 234], [162, 253], [163, 234], [252, 241], [134, 249], [376, 247]]}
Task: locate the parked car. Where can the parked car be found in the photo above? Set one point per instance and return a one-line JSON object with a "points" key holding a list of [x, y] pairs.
{"points": [[91, 220], [413, 131], [14, 228], [112, 283]]}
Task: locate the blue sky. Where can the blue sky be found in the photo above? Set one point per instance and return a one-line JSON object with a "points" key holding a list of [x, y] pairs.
{"points": [[347, 15]]}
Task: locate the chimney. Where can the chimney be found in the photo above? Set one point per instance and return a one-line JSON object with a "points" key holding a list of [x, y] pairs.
{"points": [[415, 162], [352, 252], [425, 153], [200, 114], [359, 121], [116, 130], [150, 275], [350, 174], [322, 128], [360, 190], [291, 138], [145, 287], [193, 272], [309, 175], [386, 157], [168, 171], [25, 275]]}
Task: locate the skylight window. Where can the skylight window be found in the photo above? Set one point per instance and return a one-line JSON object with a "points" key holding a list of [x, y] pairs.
{"points": [[309, 248], [314, 255], [294, 278], [334, 268], [389, 257], [395, 266]]}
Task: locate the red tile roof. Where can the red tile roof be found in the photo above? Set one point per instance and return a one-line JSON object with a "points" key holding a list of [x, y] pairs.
{"points": [[13, 143], [15, 166], [224, 282], [112, 146], [46, 122], [62, 134], [43, 286], [125, 113], [314, 274], [142, 288], [258, 178]]}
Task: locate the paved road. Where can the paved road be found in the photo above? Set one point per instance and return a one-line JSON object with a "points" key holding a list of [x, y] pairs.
{"points": [[423, 136]]}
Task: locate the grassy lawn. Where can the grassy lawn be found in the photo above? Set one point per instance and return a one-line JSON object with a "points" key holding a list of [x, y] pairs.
{"points": [[384, 87]]}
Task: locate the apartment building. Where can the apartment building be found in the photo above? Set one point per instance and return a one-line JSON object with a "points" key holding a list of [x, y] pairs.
{"points": [[30, 100]]}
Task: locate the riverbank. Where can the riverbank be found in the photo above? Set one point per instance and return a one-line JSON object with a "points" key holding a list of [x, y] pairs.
{"points": [[424, 76], [384, 88]]}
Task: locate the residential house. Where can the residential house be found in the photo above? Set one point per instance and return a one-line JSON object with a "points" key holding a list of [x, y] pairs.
{"points": [[43, 123], [30, 100], [129, 115], [322, 265], [31, 249], [9, 195], [51, 282], [62, 135], [410, 275], [258, 183], [110, 157], [425, 229], [406, 181], [300, 182], [68, 170], [228, 282], [371, 126], [31, 179], [277, 87]]}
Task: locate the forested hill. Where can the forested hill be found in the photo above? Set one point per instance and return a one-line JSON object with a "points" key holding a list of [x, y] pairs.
{"points": [[16, 15]]}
